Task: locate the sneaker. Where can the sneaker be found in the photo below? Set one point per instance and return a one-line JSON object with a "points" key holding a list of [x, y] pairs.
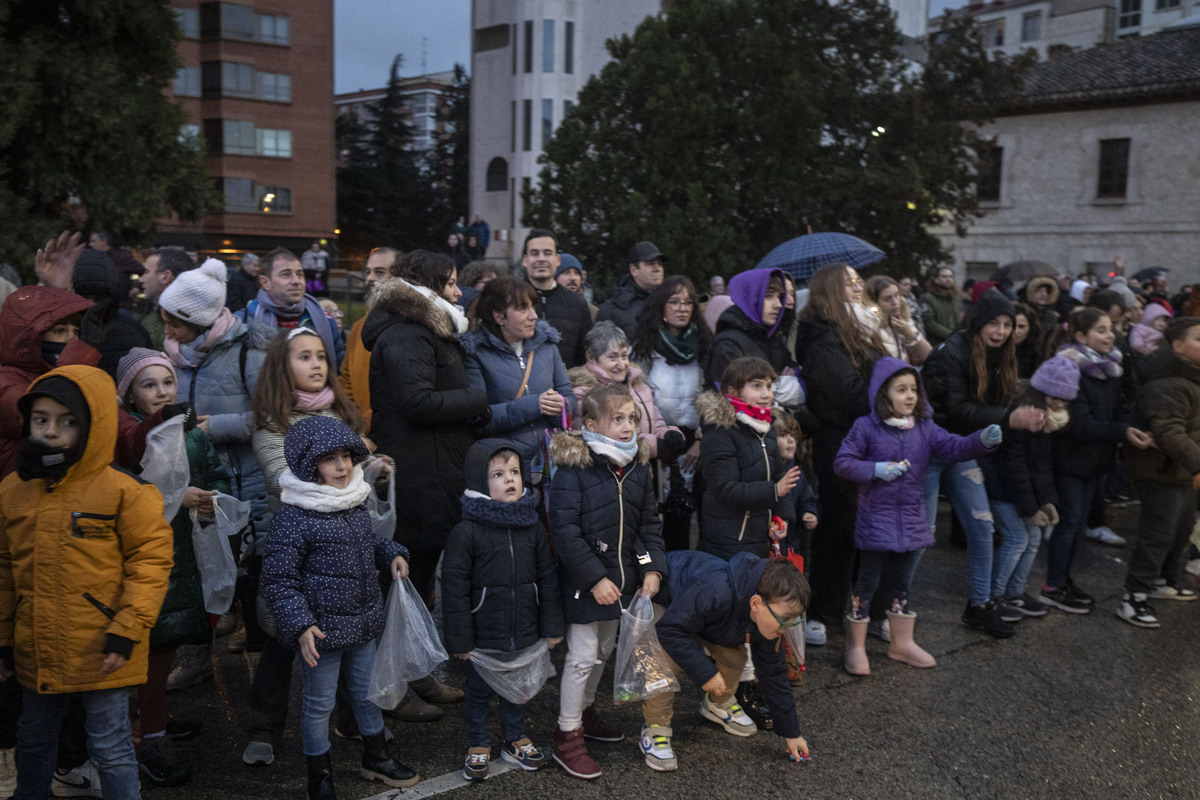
{"points": [[598, 729], [571, 754], [728, 715], [227, 623], [987, 619], [524, 754], [82, 781], [1063, 601], [161, 765], [1165, 591], [475, 768], [881, 629], [8, 772], [1008, 613], [656, 747], [258, 754], [1193, 566], [193, 665], [1079, 594], [237, 641], [1136, 611], [750, 698], [1027, 606], [814, 633], [1105, 535]]}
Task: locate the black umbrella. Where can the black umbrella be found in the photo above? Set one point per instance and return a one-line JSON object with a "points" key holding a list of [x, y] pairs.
{"points": [[1150, 273], [1024, 270]]}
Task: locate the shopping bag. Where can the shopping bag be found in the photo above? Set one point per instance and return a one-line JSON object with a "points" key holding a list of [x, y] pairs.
{"points": [[409, 647], [793, 638], [214, 559], [165, 463], [383, 514], [641, 668], [517, 677]]}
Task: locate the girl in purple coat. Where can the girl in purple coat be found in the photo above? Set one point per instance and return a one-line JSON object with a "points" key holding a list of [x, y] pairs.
{"points": [[887, 454]]}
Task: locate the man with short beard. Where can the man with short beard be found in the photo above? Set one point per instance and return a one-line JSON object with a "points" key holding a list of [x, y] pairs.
{"points": [[943, 306], [565, 310]]}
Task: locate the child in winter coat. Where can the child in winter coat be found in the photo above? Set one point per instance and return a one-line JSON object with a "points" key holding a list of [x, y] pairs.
{"points": [[887, 454], [804, 501], [1020, 484], [1147, 334], [499, 592], [604, 516], [320, 582], [1166, 476], [84, 559], [146, 384]]}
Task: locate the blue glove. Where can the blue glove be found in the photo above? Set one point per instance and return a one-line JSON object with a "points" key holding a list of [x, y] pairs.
{"points": [[991, 436], [890, 470]]}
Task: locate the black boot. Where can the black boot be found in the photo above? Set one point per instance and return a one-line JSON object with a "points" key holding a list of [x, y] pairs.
{"points": [[752, 703], [320, 778], [377, 765]]}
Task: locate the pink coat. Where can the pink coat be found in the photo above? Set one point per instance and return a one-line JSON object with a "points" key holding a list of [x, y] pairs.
{"points": [[651, 426]]}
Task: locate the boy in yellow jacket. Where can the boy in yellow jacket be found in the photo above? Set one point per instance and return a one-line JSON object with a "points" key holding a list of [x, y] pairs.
{"points": [[85, 553]]}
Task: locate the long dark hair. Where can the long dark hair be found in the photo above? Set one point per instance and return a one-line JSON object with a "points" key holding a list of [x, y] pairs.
{"points": [[827, 303], [275, 397], [983, 390], [650, 318]]}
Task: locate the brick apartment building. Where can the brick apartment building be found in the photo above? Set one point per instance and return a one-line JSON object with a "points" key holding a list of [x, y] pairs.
{"points": [[257, 81]]}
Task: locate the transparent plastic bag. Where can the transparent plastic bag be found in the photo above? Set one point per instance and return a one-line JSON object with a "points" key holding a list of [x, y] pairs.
{"points": [[409, 647], [383, 514], [214, 559], [642, 668], [165, 463], [517, 677]]}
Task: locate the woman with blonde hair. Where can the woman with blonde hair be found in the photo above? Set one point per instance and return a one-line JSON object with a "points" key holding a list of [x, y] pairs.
{"points": [[901, 338]]}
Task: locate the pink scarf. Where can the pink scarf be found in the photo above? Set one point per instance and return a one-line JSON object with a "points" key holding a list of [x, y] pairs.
{"points": [[314, 401], [194, 350]]}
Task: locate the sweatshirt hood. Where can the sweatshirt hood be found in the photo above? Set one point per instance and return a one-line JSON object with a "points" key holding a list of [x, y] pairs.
{"points": [[884, 369], [1154, 311], [26, 316], [748, 290]]}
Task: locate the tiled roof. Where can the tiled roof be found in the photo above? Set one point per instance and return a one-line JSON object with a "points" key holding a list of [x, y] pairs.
{"points": [[1161, 65]]}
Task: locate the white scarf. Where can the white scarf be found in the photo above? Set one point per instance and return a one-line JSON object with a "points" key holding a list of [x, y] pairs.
{"points": [[321, 497], [903, 423], [620, 453], [759, 426], [456, 315]]}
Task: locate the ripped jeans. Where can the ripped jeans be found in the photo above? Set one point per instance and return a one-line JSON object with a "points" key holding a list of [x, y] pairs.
{"points": [[970, 502], [588, 646], [872, 566]]}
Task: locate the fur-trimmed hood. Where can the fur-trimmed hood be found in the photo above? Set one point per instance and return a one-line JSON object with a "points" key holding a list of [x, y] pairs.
{"points": [[589, 376], [399, 298], [1039, 282], [567, 449], [715, 410], [481, 337]]}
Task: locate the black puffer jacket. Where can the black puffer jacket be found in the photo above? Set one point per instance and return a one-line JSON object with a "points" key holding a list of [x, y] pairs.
{"points": [[1021, 471], [837, 392], [1099, 420], [739, 336], [568, 313], [740, 468], [605, 524], [499, 576], [624, 305], [422, 409]]}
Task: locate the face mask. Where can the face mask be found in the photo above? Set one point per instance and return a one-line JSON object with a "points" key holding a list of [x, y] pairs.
{"points": [[51, 351], [36, 459]]}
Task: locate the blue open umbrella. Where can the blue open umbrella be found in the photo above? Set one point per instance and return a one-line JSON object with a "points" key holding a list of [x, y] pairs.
{"points": [[804, 255]]}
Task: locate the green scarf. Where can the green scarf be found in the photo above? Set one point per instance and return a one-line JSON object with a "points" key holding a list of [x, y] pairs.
{"points": [[676, 350]]}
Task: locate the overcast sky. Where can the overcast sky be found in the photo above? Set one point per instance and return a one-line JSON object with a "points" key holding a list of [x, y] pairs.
{"points": [[369, 34]]}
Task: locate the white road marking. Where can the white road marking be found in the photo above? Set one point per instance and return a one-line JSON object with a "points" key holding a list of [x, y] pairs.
{"points": [[441, 784]]}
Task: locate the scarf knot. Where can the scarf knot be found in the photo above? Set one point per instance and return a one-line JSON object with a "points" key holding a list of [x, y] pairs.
{"points": [[678, 350]]}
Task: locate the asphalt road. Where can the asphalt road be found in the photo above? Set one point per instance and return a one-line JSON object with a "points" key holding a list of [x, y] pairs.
{"points": [[1070, 707]]}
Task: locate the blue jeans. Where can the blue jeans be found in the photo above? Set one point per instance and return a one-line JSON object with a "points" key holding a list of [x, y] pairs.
{"points": [[1015, 557], [900, 568], [320, 691], [109, 742], [1074, 501], [475, 710], [971, 504]]}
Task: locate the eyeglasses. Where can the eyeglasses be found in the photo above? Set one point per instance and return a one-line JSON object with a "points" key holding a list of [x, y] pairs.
{"points": [[681, 304], [785, 624], [854, 282]]}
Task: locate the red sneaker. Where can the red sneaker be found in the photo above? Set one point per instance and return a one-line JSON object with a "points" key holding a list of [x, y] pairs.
{"points": [[571, 754], [598, 729]]}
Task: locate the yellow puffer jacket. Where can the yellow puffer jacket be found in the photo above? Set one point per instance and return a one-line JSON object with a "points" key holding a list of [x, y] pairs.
{"points": [[97, 533]]}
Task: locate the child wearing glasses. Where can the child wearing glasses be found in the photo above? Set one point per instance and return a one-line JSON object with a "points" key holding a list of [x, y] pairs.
{"points": [[887, 453]]}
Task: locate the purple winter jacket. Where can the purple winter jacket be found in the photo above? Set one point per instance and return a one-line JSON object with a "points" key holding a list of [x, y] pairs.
{"points": [[891, 515]]}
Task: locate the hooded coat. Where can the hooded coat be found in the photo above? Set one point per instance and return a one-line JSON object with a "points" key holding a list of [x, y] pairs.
{"points": [[1046, 313], [709, 599], [624, 305], [499, 575], [650, 425], [1169, 402], [82, 560], [740, 467], [891, 514], [605, 524], [322, 564], [424, 408], [100, 279], [740, 331], [943, 307], [1143, 337], [494, 367], [1087, 447]]}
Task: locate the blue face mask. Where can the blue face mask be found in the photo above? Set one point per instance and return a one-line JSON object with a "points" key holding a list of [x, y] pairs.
{"points": [[620, 453]]}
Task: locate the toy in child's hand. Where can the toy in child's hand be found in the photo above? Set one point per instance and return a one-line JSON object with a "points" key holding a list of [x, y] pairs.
{"points": [[804, 758], [778, 529]]}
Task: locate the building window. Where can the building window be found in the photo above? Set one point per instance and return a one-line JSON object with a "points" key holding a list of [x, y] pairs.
{"points": [[515, 41], [230, 79], [273, 199], [1131, 14], [513, 146], [569, 48], [237, 137], [547, 122], [274, 86], [274, 30], [188, 20], [497, 175], [987, 187], [981, 270], [239, 194], [548, 45], [494, 37], [527, 133], [1113, 176], [528, 45], [1163, 5], [992, 33], [238, 22], [237, 80], [1031, 26], [568, 105], [273, 143], [187, 82]]}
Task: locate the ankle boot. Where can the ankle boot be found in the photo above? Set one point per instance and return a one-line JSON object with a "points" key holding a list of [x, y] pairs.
{"points": [[856, 647], [320, 778], [377, 765], [431, 690], [902, 646]]}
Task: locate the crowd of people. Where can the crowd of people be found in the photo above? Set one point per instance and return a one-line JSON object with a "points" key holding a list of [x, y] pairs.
{"points": [[750, 463]]}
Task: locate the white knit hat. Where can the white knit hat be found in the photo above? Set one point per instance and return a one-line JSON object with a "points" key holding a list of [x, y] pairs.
{"points": [[198, 295]]}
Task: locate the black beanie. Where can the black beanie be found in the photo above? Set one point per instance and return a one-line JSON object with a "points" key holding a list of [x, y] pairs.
{"points": [[991, 304], [65, 391], [96, 275]]}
